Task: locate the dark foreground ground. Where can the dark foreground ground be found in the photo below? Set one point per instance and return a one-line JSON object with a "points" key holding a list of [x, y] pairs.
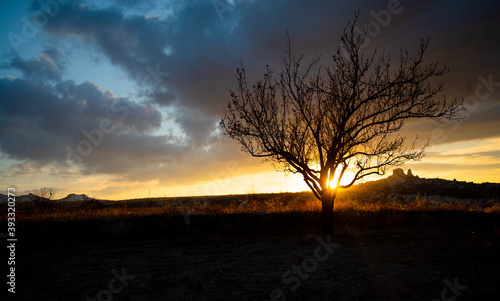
{"points": [[406, 255]]}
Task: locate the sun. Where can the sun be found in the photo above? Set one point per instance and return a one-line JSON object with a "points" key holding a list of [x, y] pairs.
{"points": [[346, 179], [333, 183]]}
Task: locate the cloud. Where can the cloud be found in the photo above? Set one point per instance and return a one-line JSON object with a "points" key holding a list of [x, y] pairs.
{"points": [[137, 44], [476, 125], [491, 156], [132, 42], [203, 50], [47, 66], [43, 120], [182, 56]]}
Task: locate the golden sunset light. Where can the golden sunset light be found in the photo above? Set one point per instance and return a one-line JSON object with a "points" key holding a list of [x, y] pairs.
{"points": [[250, 150]]}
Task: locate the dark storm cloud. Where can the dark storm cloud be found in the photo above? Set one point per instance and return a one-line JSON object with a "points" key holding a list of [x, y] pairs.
{"points": [[138, 44], [40, 120], [131, 42], [204, 49], [133, 152], [47, 66], [162, 98], [200, 52]]}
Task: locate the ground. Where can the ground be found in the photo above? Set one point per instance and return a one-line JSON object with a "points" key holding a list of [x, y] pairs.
{"points": [[401, 256]]}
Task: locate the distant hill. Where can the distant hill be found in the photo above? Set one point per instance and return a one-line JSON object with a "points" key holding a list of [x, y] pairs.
{"points": [[20, 198], [401, 184], [397, 187], [31, 197], [75, 197]]}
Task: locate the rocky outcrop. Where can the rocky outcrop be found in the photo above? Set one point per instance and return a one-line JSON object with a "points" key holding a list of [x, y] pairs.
{"points": [[400, 173], [408, 184]]}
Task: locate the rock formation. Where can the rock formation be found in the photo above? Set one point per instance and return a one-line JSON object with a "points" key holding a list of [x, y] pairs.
{"points": [[400, 173]]}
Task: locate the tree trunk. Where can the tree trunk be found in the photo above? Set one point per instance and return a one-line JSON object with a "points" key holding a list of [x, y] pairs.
{"points": [[327, 201]]}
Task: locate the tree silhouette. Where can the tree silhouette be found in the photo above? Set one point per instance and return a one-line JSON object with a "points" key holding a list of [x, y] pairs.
{"points": [[319, 121]]}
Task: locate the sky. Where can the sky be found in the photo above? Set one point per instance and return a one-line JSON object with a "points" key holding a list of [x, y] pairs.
{"points": [[122, 99]]}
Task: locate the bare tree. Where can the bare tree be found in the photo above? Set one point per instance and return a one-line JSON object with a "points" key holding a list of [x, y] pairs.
{"points": [[43, 200], [46, 193], [319, 121]]}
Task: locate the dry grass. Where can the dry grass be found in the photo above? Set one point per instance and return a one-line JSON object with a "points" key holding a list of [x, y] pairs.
{"points": [[248, 204], [252, 239]]}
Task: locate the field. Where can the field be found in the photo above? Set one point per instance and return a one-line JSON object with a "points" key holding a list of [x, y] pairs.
{"points": [[255, 247]]}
